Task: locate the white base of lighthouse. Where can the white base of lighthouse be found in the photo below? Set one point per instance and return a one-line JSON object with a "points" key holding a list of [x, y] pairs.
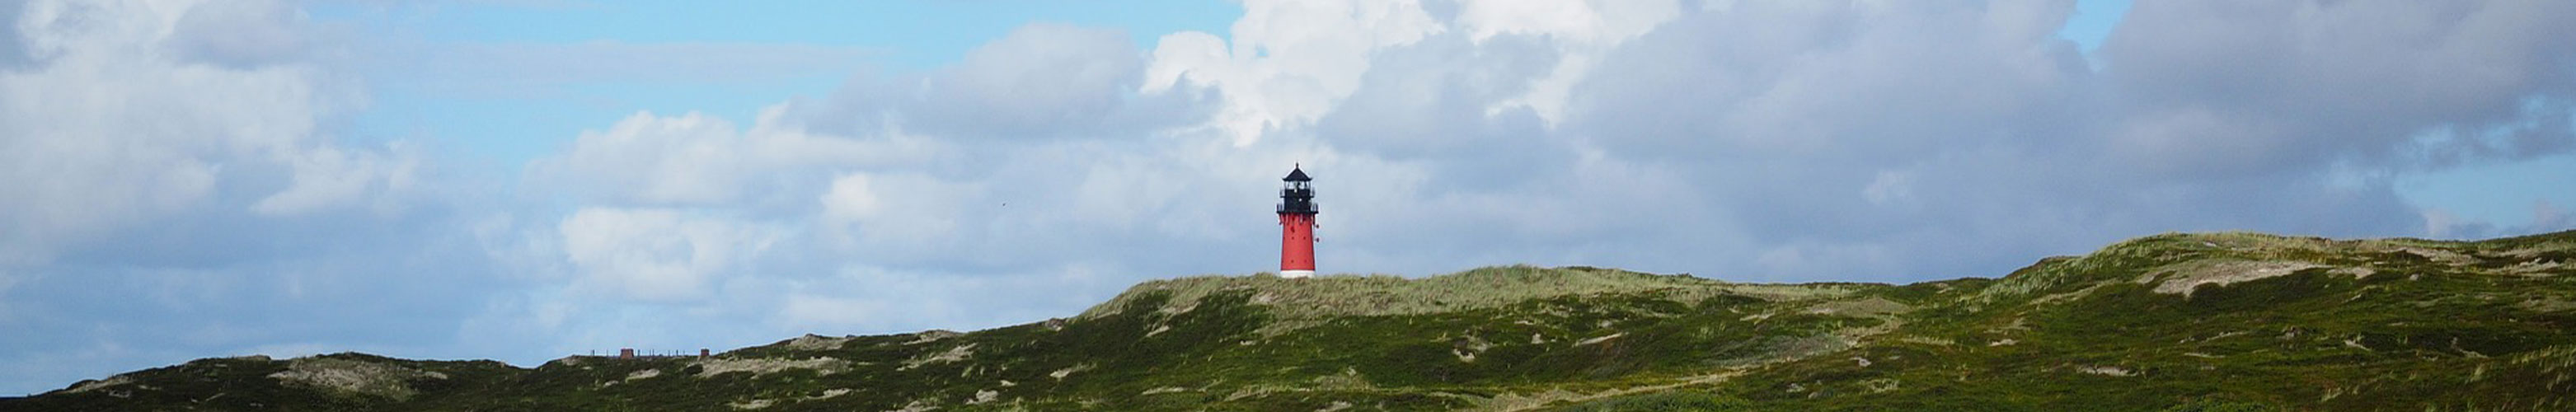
{"points": [[1296, 273]]}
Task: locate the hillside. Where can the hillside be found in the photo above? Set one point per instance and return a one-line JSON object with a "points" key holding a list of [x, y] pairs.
{"points": [[2231, 321]]}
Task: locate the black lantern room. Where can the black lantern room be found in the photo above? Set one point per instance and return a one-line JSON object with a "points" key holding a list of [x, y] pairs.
{"points": [[1296, 196]]}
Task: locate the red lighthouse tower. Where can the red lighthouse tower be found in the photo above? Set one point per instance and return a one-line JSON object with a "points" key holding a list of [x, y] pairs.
{"points": [[1297, 225]]}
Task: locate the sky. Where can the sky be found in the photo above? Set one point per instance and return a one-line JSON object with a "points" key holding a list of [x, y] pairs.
{"points": [[525, 180]]}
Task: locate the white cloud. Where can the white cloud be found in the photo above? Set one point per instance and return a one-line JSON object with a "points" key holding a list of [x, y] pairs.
{"points": [[659, 255], [697, 159], [1580, 22], [1290, 61], [684, 159], [912, 212], [117, 122], [326, 177], [1581, 33]]}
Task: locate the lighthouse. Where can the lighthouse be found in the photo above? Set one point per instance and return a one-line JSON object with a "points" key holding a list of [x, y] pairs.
{"points": [[1296, 225]]}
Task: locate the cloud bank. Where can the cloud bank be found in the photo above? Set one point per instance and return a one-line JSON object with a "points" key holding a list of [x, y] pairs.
{"points": [[178, 187]]}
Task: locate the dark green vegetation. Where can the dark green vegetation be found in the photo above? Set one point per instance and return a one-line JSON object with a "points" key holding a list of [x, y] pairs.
{"points": [[2181, 322]]}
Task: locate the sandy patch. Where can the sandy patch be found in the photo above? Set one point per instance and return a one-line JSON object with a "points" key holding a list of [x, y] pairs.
{"points": [[933, 335], [757, 367], [815, 342], [2106, 370], [1059, 374], [2185, 277], [2547, 304], [2537, 267], [1600, 339], [953, 354], [2438, 255], [354, 377], [95, 385]]}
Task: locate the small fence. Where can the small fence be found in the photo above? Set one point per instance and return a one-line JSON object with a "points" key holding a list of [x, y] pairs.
{"points": [[632, 353]]}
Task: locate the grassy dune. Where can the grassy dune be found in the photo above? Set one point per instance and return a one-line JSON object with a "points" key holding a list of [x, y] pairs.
{"points": [[2180, 322]]}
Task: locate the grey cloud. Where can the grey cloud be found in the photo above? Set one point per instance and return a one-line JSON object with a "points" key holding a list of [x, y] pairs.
{"points": [[219, 282], [1877, 82], [1041, 206], [1436, 101], [925, 187], [892, 178], [1450, 170], [2545, 217], [246, 33], [187, 209], [2251, 87], [1039, 77], [1784, 112], [13, 50], [1039, 81], [1926, 140]]}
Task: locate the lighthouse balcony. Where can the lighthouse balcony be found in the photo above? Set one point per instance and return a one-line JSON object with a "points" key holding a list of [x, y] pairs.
{"points": [[1308, 207]]}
